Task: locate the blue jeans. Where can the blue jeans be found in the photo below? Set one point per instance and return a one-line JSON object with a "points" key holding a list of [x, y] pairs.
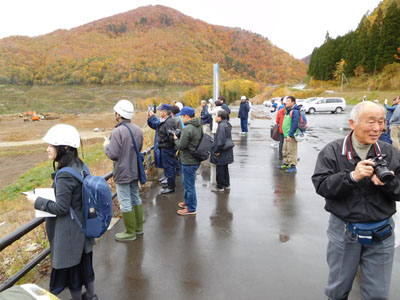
{"points": [[188, 181], [168, 162], [243, 124], [178, 167], [128, 196]]}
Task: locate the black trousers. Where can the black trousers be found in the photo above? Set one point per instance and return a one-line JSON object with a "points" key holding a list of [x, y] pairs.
{"points": [[281, 140], [222, 176]]}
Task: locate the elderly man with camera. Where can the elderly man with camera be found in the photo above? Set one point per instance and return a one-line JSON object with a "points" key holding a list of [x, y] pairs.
{"points": [[359, 177]]}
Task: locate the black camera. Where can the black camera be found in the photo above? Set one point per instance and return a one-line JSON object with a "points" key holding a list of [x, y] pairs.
{"points": [[381, 170], [151, 108], [177, 132]]}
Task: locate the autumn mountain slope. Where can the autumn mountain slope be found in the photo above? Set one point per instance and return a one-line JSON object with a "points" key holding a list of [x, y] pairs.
{"points": [[152, 44]]}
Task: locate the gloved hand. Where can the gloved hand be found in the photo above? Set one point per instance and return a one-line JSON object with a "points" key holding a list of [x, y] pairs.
{"points": [[386, 101]]}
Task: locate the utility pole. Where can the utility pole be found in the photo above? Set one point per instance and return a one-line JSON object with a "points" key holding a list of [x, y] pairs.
{"points": [[343, 78]]}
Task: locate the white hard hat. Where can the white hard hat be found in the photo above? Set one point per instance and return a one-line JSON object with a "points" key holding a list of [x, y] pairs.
{"points": [[210, 100], [124, 108], [243, 98], [63, 134], [179, 104]]}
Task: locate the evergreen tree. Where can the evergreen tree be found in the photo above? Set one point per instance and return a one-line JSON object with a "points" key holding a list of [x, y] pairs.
{"points": [[374, 38], [389, 41], [353, 54], [363, 41]]}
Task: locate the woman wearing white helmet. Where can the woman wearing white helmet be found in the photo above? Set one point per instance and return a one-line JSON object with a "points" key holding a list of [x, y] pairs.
{"points": [[71, 250]]}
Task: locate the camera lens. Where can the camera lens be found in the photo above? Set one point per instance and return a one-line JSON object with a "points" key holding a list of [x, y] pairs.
{"points": [[384, 174]]}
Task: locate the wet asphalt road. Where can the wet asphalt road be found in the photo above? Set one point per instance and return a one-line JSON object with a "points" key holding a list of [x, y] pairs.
{"points": [[265, 239]]}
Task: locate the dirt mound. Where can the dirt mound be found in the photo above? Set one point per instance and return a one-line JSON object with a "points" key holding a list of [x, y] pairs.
{"points": [[19, 140], [14, 129]]}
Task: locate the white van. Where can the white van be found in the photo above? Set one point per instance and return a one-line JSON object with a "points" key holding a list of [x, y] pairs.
{"points": [[331, 104]]}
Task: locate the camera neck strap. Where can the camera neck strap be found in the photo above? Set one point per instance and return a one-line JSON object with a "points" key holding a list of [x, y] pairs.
{"points": [[349, 152]]}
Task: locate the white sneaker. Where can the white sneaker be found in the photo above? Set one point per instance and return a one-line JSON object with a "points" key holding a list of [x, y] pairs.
{"points": [[274, 145]]}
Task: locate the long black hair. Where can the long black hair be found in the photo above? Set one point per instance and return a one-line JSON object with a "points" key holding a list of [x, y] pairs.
{"points": [[66, 156]]}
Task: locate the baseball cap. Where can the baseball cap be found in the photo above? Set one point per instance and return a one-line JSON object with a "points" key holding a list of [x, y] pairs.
{"points": [[187, 111], [164, 107]]}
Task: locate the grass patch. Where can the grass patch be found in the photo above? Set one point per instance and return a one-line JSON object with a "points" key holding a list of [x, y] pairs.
{"points": [[76, 99], [18, 151]]}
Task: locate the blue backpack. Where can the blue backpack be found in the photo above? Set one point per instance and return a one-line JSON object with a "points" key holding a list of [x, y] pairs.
{"points": [[302, 120], [96, 200]]}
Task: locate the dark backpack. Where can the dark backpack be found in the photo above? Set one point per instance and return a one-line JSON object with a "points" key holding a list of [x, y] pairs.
{"points": [[96, 201], [302, 121], [204, 148]]}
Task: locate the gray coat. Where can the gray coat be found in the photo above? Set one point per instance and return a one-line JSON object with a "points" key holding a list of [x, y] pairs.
{"points": [[67, 241], [395, 119], [121, 151]]}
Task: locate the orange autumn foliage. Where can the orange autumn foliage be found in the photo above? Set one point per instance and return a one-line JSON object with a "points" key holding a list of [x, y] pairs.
{"points": [[150, 45]]}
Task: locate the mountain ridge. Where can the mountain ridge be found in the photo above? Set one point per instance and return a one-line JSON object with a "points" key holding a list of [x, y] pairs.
{"points": [[150, 44]]}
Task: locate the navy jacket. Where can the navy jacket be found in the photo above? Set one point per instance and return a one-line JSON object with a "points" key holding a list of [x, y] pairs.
{"points": [[224, 132], [153, 123], [244, 110], [226, 108], [205, 116]]}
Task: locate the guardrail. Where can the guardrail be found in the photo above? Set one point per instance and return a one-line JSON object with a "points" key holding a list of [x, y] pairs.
{"points": [[28, 227]]}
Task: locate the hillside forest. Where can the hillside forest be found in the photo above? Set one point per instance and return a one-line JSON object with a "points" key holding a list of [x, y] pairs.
{"points": [[373, 48], [149, 45]]}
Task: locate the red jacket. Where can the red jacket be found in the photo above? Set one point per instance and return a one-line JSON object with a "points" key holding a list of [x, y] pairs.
{"points": [[280, 115]]}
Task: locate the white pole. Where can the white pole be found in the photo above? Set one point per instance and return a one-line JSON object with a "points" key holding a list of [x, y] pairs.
{"points": [[216, 82]]}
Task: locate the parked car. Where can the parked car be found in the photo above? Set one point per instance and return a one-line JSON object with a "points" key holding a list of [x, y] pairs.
{"points": [[331, 104], [311, 99], [308, 100]]}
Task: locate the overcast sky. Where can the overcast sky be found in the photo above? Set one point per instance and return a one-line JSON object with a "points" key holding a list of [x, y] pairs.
{"points": [[296, 26]]}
